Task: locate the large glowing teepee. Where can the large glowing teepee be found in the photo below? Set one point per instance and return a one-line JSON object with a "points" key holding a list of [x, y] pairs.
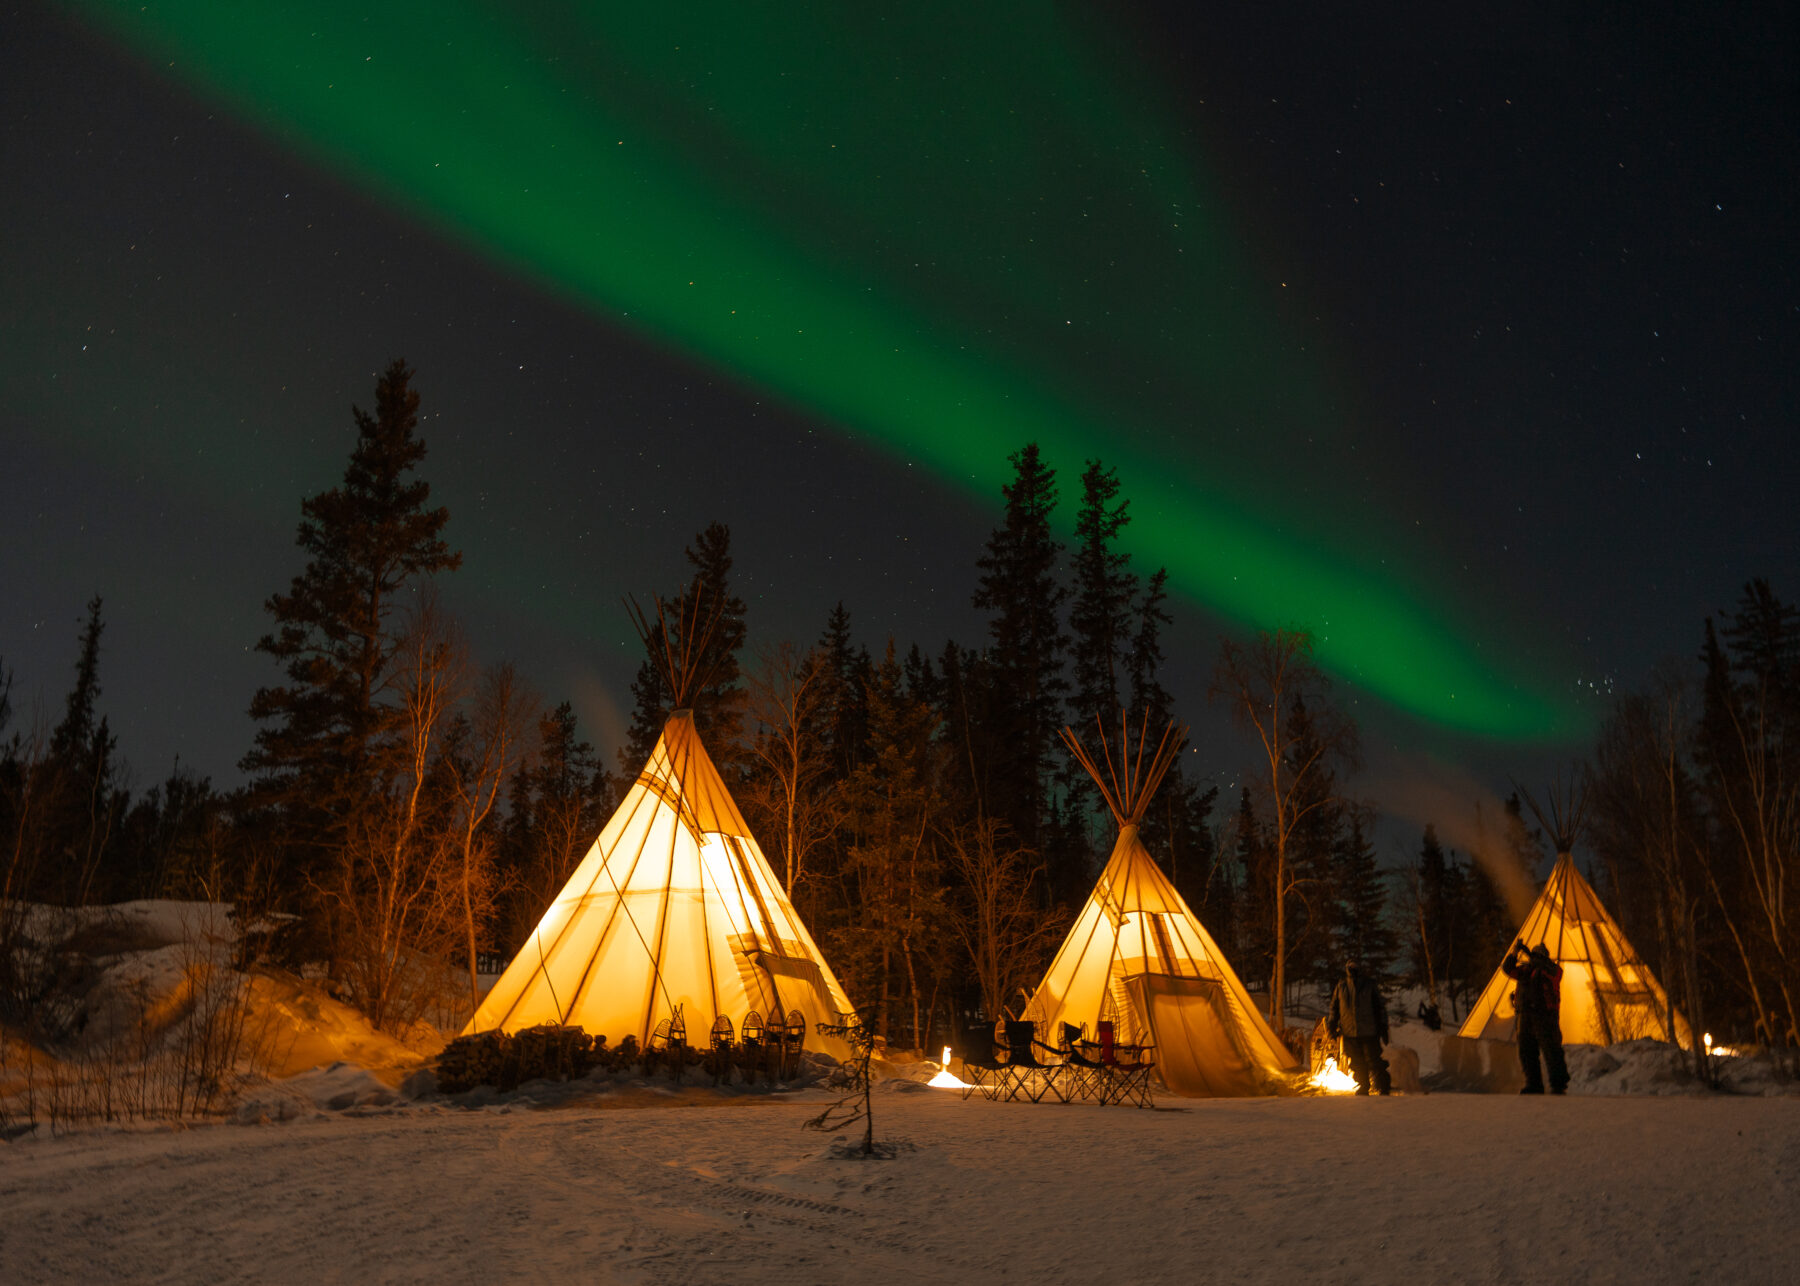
{"points": [[1138, 957], [1608, 992], [673, 910]]}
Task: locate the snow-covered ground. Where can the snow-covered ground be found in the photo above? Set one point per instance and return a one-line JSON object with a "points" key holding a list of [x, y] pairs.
{"points": [[688, 1187]]}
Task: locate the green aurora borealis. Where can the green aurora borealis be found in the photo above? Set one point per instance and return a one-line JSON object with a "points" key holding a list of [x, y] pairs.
{"points": [[921, 229]]}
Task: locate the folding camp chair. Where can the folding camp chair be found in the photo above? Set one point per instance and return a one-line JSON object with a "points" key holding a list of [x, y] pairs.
{"points": [[751, 1056], [1084, 1076], [1024, 1073], [718, 1053], [1128, 1068], [982, 1066]]}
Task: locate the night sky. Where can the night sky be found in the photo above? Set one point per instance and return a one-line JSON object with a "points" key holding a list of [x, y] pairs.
{"points": [[1474, 332]]}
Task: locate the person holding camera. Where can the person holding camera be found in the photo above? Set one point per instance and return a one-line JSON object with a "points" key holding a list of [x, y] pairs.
{"points": [[1538, 1003]]}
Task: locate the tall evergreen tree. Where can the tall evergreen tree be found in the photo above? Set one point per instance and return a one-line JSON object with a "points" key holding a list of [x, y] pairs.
{"points": [[1433, 944], [1100, 635], [1360, 926], [1254, 857], [844, 706], [893, 874], [1176, 832], [1020, 588], [556, 806], [1146, 660], [718, 702], [371, 542], [73, 737], [968, 725], [1313, 849], [80, 796], [1100, 610]]}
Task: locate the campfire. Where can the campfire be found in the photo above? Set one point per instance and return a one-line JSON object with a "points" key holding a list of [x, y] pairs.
{"points": [[944, 1079], [1332, 1079], [1720, 1051]]}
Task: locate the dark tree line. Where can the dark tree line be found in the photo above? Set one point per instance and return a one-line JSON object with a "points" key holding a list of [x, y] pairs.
{"points": [[408, 811], [1696, 806]]}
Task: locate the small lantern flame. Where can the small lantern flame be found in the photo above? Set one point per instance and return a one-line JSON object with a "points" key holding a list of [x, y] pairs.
{"points": [[944, 1080], [1333, 1079]]}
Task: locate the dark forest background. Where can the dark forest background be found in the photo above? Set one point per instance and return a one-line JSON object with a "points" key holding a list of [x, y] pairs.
{"points": [[411, 809]]}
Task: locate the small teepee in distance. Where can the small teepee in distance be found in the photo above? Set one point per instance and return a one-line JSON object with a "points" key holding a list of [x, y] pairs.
{"points": [[1608, 992], [1137, 956], [674, 910]]}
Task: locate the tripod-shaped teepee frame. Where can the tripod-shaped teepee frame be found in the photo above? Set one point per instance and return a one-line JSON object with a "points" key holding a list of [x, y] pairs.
{"points": [[1138, 957]]}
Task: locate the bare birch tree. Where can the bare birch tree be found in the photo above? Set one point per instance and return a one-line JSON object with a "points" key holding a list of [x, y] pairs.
{"points": [[1261, 681], [1000, 918], [787, 691], [1644, 822], [389, 885], [487, 746]]}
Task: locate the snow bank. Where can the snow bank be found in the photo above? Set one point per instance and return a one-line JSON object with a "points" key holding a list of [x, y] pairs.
{"points": [[143, 1003], [303, 1028]]}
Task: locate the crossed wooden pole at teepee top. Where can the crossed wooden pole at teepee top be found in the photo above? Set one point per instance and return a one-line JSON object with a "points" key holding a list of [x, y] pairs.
{"points": [[1129, 796], [680, 655], [1566, 814]]}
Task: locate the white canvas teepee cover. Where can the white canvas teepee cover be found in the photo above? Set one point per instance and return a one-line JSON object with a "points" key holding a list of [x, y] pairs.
{"points": [[1608, 992], [1137, 956], [674, 908]]}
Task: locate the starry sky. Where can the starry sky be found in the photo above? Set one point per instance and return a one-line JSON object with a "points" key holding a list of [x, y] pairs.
{"points": [[1468, 340]]}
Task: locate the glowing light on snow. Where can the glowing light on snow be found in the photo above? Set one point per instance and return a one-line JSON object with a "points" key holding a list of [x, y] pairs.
{"points": [[1333, 1079], [944, 1080]]}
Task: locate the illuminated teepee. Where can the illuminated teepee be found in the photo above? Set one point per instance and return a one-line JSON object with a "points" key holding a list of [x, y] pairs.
{"points": [[1138, 957], [673, 911], [1608, 992]]}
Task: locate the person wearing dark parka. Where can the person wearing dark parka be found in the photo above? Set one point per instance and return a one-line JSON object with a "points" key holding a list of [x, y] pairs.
{"points": [[1538, 1003], [1359, 1017]]}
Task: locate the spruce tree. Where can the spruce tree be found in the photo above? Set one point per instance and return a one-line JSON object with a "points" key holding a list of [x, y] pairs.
{"points": [[371, 542], [1020, 588], [1430, 947], [1360, 924], [1312, 852], [1100, 610], [892, 869], [1146, 659], [73, 737], [555, 809], [79, 796], [845, 705], [1253, 945], [718, 703]]}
